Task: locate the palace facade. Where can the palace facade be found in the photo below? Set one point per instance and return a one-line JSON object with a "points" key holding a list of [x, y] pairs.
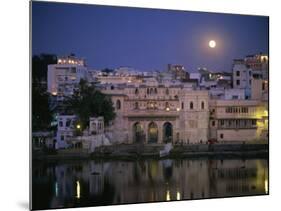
{"points": [[159, 113]]}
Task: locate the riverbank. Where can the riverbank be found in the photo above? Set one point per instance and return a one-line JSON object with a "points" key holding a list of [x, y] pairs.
{"points": [[136, 151]]}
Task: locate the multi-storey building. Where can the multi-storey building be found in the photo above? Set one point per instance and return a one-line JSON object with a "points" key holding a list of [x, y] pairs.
{"points": [[247, 69], [159, 113], [64, 76], [242, 77], [238, 120], [65, 130], [259, 64], [178, 71]]}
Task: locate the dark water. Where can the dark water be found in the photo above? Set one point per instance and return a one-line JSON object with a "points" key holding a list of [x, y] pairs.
{"points": [[95, 183]]}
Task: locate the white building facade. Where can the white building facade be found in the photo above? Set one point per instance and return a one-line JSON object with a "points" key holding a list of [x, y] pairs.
{"points": [[64, 76]]}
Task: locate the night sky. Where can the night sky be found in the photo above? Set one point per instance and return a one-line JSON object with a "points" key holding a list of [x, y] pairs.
{"points": [[146, 39]]}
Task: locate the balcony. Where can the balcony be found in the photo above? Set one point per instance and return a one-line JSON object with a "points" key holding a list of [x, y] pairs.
{"points": [[152, 113]]}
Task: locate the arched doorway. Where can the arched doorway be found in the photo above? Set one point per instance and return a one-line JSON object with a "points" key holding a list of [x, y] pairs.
{"points": [[167, 132], [138, 133], [152, 132]]}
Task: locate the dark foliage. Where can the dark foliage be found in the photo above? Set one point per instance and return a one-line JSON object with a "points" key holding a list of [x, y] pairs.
{"points": [[40, 66], [89, 102]]}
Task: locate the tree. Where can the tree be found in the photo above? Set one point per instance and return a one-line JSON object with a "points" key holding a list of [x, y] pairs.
{"points": [[40, 66], [88, 102], [41, 113]]}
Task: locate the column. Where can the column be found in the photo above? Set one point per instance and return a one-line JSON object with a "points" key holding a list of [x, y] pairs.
{"points": [[160, 132]]}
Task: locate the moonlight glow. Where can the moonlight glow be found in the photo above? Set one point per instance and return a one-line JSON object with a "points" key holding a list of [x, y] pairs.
{"points": [[212, 43]]}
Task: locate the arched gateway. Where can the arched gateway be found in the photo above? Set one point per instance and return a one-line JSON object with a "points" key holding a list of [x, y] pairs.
{"points": [[138, 133], [152, 133], [167, 132]]}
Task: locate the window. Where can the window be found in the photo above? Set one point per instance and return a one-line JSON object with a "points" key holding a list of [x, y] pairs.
{"points": [[166, 105], [182, 105], [118, 104], [136, 105], [136, 91], [250, 81], [73, 70], [254, 122], [238, 73], [237, 82], [263, 86], [244, 110], [167, 91], [221, 135], [60, 123], [202, 105], [67, 124], [229, 123], [191, 105], [61, 138], [213, 123]]}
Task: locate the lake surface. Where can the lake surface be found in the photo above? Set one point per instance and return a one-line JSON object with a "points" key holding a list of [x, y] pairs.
{"points": [[95, 183]]}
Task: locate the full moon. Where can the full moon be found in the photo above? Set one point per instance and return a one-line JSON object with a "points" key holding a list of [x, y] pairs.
{"points": [[212, 44]]}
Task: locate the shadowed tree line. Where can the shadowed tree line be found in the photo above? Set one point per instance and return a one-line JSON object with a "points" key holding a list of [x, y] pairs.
{"points": [[42, 115]]}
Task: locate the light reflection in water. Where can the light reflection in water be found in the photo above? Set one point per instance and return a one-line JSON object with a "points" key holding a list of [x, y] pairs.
{"points": [[117, 182], [168, 195], [56, 189], [266, 186], [77, 189], [178, 195]]}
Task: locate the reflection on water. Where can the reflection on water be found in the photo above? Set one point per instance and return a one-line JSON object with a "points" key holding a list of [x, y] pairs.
{"points": [[93, 183]]}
